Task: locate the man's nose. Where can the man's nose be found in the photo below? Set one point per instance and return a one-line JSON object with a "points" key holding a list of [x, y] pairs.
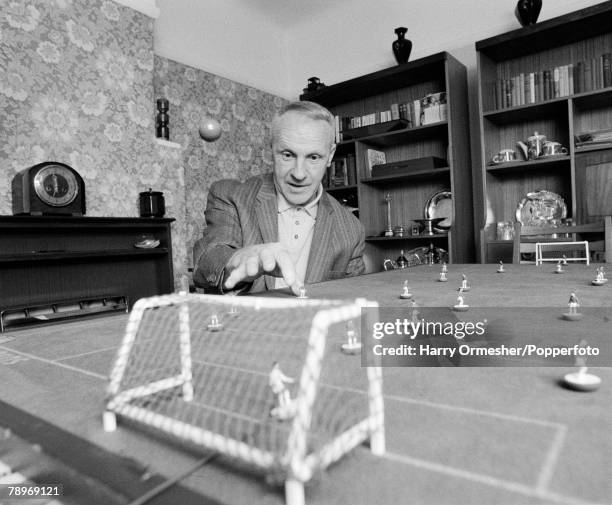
{"points": [[299, 169]]}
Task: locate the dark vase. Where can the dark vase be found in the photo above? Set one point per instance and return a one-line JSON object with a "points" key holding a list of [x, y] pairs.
{"points": [[161, 120], [527, 11], [401, 46]]}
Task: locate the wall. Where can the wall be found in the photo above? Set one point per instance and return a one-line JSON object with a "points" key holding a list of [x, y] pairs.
{"points": [[361, 43], [243, 148], [276, 45], [230, 38], [76, 86]]}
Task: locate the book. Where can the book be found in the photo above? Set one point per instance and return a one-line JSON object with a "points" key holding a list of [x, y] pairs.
{"points": [[532, 88], [375, 157], [588, 77], [499, 104], [579, 77], [539, 79], [395, 114], [351, 169], [416, 117], [606, 60], [339, 173]]}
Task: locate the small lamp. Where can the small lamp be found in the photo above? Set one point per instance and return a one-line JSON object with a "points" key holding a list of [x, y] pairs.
{"points": [[210, 129]]}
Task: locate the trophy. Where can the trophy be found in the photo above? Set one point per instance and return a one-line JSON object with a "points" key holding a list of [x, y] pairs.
{"points": [[389, 229]]}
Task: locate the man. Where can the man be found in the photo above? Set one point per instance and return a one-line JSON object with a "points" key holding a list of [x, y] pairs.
{"points": [[281, 229]]}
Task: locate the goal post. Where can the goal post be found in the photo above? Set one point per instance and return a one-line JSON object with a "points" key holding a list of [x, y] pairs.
{"points": [[200, 368]]}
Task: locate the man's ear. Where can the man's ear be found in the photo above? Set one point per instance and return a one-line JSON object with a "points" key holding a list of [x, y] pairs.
{"points": [[331, 154]]}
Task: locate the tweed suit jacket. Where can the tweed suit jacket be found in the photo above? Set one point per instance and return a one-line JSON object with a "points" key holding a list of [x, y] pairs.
{"points": [[243, 214]]}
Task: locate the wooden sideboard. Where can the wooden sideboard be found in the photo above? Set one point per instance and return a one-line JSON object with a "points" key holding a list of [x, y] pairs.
{"points": [[49, 260]]}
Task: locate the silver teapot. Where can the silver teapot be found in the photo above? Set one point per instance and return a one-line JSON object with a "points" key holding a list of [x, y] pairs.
{"points": [[534, 148]]}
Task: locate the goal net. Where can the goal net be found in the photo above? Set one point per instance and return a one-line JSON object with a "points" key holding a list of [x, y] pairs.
{"points": [[260, 380], [562, 251]]}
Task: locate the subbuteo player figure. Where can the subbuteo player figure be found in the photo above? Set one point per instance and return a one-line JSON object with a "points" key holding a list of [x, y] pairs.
{"points": [[277, 381], [573, 304]]}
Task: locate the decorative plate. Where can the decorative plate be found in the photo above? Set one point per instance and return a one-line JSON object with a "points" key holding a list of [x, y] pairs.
{"points": [[540, 207], [440, 205], [147, 244]]}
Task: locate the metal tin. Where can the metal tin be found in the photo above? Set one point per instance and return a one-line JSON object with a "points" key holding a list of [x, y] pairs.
{"points": [[152, 204]]}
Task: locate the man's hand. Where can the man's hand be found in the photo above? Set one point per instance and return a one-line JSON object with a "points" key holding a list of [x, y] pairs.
{"points": [[248, 263]]}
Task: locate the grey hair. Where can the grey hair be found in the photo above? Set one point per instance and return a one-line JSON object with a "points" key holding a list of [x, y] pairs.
{"points": [[310, 110]]}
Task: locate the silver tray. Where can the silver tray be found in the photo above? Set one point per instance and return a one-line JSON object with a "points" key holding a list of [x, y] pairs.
{"points": [[440, 205], [540, 208]]}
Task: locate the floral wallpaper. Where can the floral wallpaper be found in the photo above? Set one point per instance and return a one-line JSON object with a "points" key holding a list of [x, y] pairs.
{"points": [[76, 86], [242, 150], [77, 81]]}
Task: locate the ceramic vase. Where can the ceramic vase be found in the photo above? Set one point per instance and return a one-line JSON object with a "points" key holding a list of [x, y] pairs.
{"points": [[527, 11], [161, 120], [401, 46]]}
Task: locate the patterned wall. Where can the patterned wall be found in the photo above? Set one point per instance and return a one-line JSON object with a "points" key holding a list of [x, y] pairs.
{"points": [[76, 86], [242, 150]]}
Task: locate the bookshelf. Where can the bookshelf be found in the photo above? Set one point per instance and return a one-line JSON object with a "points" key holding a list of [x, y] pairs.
{"points": [[516, 98], [408, 140]]}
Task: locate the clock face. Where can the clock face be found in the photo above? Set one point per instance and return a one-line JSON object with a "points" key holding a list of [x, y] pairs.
{"points": [[56, 185]]}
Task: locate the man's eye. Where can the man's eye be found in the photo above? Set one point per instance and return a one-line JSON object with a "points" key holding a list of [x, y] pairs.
{"points": [[314, 157], [286, 155]]}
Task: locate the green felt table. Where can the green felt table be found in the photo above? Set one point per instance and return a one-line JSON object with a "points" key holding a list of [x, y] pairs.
{"points": [[455, 435]]}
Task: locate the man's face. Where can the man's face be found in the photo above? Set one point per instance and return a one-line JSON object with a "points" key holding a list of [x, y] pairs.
{"points": [[302, 151]]}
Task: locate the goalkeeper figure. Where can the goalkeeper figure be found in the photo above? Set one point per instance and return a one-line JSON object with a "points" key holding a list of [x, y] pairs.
{"points": [[277, 381]]}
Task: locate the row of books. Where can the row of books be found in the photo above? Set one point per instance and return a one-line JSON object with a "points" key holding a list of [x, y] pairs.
{"points": [[341, 172], [429, 109], [564, 80]]}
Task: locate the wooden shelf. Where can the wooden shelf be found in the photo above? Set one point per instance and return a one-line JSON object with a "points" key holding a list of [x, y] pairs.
{"points": [[375, 129], [595, 147], [383, 81], [435, 173], [74, 255], [575, 41], [419, 238], [509, 115], [345, 147], [44, 259], [549, 34], [409, 192], [341, 189], [65, 222], [587, 100], [526, 166], [593, 99], [406, 135]]}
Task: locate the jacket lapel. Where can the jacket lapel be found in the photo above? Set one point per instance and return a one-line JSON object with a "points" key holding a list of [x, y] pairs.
{"points": [[266, 210], [322, 237]]}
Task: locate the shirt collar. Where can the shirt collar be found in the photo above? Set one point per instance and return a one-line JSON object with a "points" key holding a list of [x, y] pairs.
{"points": [[310, 208]]}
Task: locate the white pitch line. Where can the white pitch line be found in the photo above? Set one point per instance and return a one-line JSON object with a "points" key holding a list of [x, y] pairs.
{"points": [[401, 399], [487, 480], [469, 410], [550, 463], [545, 475], [74, 356], [52, 362]]}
